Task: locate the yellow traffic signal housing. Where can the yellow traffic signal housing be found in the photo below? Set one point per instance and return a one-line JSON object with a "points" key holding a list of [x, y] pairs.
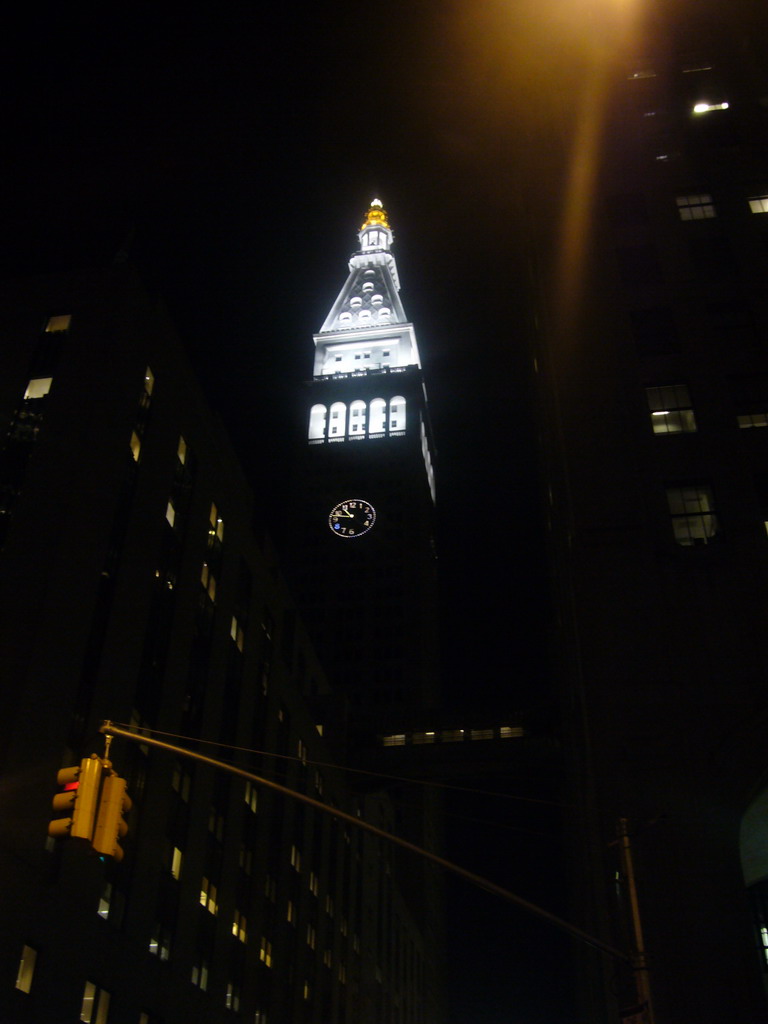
{"points": [[78, 800], [110, 826]]}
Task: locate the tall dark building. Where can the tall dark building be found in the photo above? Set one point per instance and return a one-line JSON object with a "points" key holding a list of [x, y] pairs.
{"points": [[365, 560], [135, 588], [362, 548], [650, 331]]}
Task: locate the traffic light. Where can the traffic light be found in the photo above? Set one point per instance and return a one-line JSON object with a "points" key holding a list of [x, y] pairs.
{"points": [[79, 799], [110, 826]]}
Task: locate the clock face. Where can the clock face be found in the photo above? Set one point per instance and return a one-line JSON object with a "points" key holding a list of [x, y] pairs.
{"points": [[352, 518]]}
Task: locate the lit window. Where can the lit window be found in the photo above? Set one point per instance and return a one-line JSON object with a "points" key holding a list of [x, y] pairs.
{"points": [[339, 414], [311, 936], [149, 381], [671, 410], [313, 883], [508, 732], [317, 421], [208, 581], [755, 419], [240, 926], [693, 517], [38, 387], [181, 451], [265, 952], [378, 416], [452, 735], [398, 740], [95, 1007], [759, 204], [396, 411], [135, 445], [423, 737], [251, 795], [208, 896], [290, 912], [295, 858], [236, 632], [695, 207], [58, 323], [170, 513], [704, 108], [232, 999], [160, 943], [216, 524], [26, 969], [176, 859], [105, 901], [481, 734], [357, 413], [200, 975]]}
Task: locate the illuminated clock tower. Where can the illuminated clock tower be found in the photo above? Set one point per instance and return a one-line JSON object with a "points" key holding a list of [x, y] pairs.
{"points": [[364, 555]]}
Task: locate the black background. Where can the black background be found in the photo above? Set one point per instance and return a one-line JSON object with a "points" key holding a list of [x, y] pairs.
{"points": [[233, 155]]}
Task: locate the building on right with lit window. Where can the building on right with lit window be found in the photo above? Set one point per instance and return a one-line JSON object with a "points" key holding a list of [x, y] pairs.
{"points": [[650, 355]]}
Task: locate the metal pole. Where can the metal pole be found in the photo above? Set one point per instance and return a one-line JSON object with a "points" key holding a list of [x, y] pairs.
{"points": [[639, 963], [483, 883]]}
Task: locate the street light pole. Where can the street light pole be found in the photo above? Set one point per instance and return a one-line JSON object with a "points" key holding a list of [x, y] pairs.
{"points": [[639, 962], [110, 730]]}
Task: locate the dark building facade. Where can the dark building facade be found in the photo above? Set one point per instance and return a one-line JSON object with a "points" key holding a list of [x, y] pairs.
{"points": [[134, 588], [650, 334]]}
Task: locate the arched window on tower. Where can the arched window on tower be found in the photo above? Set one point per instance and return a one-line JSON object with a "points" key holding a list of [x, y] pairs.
{"points": [[357, 419], [378, 418], [317, 423], [338, 422], [397, 415]]}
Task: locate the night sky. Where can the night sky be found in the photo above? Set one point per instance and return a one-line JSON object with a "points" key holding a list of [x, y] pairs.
{"points": [[234, 155]]}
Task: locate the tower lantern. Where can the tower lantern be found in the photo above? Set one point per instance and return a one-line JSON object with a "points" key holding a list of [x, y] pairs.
{"points": [[375, 232]]}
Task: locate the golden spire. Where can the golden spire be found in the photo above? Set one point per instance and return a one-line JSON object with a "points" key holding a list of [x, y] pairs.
{"points": [[376, 216]]}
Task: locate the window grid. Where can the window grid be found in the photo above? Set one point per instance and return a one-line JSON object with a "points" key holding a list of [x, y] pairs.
{"points": [[696, 207], [694, 521], [754, 419], [671, 409], [26, 969]]}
